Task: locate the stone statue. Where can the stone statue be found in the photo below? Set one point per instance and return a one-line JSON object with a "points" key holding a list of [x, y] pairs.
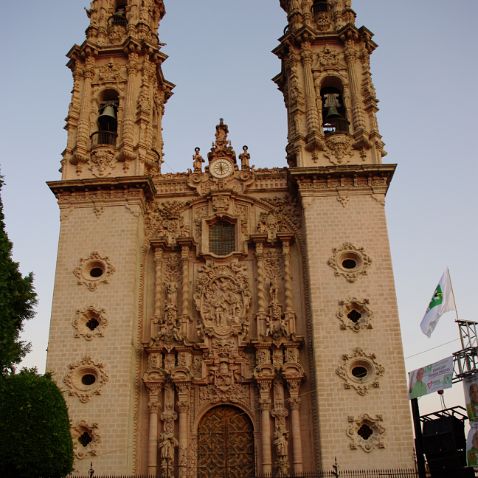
{"points": [[167, 444], [197, 160], [245, 158]]}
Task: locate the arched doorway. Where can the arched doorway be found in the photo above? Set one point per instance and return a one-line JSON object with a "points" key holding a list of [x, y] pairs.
{"points": [[225, 444]]}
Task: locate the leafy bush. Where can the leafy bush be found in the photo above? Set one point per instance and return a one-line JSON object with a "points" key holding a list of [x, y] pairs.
{"points": [[35, 440]]}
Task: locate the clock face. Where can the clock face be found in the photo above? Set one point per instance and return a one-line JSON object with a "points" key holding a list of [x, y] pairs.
{"points": [[221, 168]]}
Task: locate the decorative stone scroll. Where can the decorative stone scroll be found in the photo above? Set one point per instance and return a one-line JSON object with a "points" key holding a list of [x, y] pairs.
{"points": [[166, 221], [354, 314], [222, 299], [85, 379], [89, 323], [360, 371], [349, 261], [85, 439], [366, 432], [93, 270]]}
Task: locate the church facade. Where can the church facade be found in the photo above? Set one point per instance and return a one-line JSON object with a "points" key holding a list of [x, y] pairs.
{"points": [[227, 320]]}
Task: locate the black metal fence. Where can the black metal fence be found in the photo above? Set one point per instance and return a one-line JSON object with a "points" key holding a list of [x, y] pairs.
{"points": [[378, 473]]}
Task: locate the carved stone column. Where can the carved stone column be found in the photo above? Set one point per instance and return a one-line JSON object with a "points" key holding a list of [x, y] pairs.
{"points": [[289, 306], [185, 295], [168, 441], [261, 297], [310, 100], [265, 406], [130, 108], [154, 405], [158, 296], [294, 403], [350, 57], [280, 414], [82, 141], [183, 407]]}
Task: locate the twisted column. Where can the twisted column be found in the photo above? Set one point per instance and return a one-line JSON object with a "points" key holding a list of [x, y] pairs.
{"points": [[261, 298], [185, 292], [289, 305], [158, 296]]}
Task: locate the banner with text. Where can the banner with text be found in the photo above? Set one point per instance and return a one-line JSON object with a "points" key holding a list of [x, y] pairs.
{"points": [[431, 378], [470, 384]]}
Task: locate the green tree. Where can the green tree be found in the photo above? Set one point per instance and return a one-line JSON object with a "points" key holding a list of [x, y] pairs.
{"points": [[35, 440], [17, 301]]}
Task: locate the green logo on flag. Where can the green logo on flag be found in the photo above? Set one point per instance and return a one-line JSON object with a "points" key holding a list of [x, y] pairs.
{"points": [[437, 298]]}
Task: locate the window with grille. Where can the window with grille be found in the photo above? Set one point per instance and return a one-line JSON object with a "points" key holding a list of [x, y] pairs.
{"points": [[222, 238]]}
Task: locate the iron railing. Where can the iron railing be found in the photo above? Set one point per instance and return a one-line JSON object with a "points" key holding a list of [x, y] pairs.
{"points": [[337, 473], [103, 137]]}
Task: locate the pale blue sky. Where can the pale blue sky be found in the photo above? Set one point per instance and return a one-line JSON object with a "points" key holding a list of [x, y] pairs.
{"points": [[426, 75]]}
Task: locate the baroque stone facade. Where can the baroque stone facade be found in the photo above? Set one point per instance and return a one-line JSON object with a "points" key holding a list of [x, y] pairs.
{"points": [[227, 320]]}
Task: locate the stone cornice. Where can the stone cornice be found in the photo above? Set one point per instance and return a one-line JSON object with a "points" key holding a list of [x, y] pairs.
{"points": [[328, 180], [110, 184]]}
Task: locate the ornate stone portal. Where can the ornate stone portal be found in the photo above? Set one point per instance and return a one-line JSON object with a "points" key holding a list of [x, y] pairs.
{"points": [[217, 340]]}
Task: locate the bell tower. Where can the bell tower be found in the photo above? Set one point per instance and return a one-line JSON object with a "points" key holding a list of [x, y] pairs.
{"points": [[327, 85], [119, 93], [112, 158], [334, 153]]}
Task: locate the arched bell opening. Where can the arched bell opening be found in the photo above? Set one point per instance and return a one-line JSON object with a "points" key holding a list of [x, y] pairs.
{"points": [[320, 6], [334, 115], [119, 16], [107, 119], [225, 444]]}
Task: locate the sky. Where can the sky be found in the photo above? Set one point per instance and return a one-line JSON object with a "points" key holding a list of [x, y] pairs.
{"points": [[425, 72]]}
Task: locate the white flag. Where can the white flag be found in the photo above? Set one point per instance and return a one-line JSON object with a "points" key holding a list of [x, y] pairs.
{"points": [[442, 301]]}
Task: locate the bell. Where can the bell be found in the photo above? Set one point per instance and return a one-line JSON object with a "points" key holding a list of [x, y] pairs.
{"points": [[332, 112], [107, 119]]}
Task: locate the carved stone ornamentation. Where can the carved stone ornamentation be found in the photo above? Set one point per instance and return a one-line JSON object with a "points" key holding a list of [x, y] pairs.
{"points": [[323, 21], [360, 371], [287, 211], [111, 73], [101, 162], [349, 261], [89, 323], [169, 326], [328, 59], [276, 325], [366, 432], [166, 221], [268, 224], [85, 439], [222, 299], [354, 314], [343, 199], [235, 394], [93, 270], [338, 148], [85, 379]]}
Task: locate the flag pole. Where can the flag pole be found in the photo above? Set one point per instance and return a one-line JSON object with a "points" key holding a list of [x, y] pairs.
{"points": [[453, 294]]}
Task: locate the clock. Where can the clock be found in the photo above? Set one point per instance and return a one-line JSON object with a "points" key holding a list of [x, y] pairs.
{"points": [[221, 168]]}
